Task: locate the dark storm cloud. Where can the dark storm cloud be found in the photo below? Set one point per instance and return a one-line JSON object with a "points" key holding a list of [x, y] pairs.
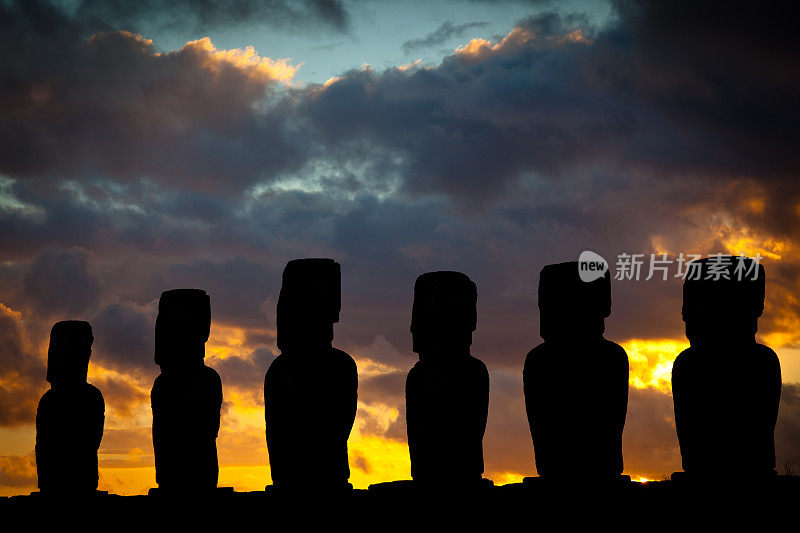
{"points": [[246, 373], [112, 107], [446, 31], [725, 75], [204, 15], [124, 338], [472, 125], [383, 246], [238, 287], [62, 283], [143, 217], [645, 93], [121, 396], [385, 388]]}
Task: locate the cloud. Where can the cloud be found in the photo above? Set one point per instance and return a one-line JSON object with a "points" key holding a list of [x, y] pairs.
{"points": [[21, 372], [304, 15], [557, 96], [112, 106], [62, 283], [124, 338], [446, 31], [246, 374], [474, 124], [123, 396], [18, 471], [554, 97]]}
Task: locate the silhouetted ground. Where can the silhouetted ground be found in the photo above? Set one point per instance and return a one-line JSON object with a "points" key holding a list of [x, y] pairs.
{"points": [[652, 505]]}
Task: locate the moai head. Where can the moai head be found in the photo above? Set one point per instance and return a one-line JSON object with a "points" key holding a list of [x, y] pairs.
{"points": [[309, 303], [69, 352], [182, 328], [444, 313], [570, 308], [723, 296]]}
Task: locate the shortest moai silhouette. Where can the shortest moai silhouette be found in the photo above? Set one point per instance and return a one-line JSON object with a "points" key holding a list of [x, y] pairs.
{"points": [[576, 381], [311, 388], [187, 396], [70, 416], [726, 387], [447, 390]]}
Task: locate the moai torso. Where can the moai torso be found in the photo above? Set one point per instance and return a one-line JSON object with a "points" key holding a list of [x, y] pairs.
{"points": [[187, 397], [446, 411], [576, 382], [70, 416], [447, 391], [726, 387], [311, 403], [576, 397], [186, 414], [311, 388]]}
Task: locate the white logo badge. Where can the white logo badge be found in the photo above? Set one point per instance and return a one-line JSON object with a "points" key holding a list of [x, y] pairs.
{"points": [[591, 266]]}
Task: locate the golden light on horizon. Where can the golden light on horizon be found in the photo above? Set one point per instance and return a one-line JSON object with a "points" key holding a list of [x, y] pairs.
{"points": [[651, 362], [377, 454]]}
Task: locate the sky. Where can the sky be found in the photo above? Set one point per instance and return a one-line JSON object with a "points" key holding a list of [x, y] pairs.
{"points": [[148, 146]]}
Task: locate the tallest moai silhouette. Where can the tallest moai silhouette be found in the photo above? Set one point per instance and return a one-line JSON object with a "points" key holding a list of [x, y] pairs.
{"points": [[576, 381], [726, 387], [310, 390]]}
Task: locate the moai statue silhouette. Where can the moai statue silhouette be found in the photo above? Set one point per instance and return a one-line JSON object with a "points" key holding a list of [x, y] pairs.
{"points": [[70, 417], [311, 388], [186, 397], [447, 390], [726, 387], [576, 381]]}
